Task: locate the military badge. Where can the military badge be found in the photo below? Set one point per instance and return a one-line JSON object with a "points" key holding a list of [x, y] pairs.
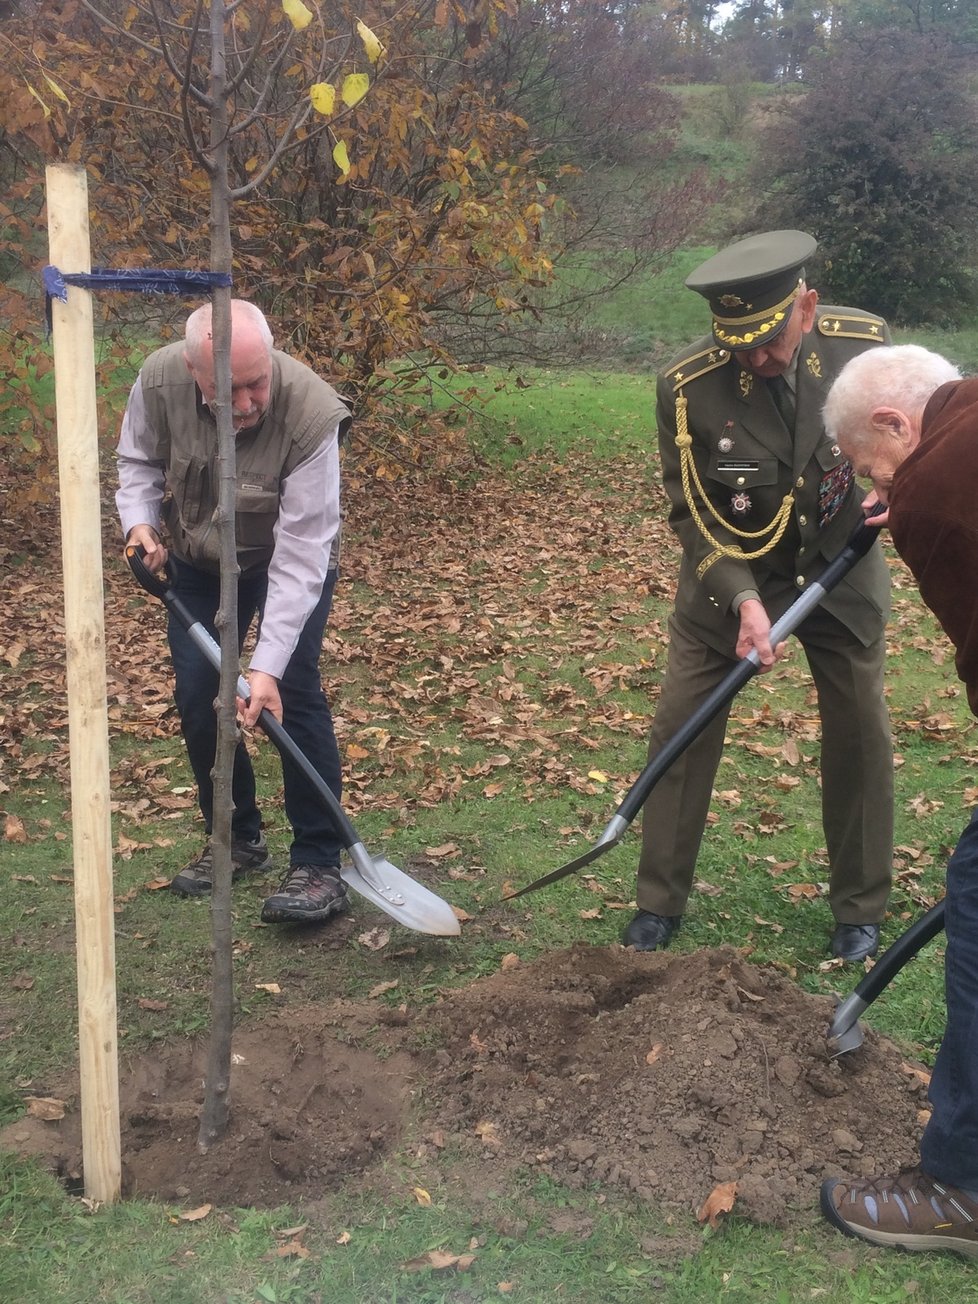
{"points": [[814, 364], [740, 504], [746, 383], [732, 301], [832, 491]]}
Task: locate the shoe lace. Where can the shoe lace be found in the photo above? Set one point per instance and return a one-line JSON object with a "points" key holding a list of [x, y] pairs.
{"points": [[202, 864], [303, 877]]}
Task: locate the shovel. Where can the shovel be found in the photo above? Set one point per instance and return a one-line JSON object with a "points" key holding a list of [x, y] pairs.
{"points": [[373, 877], [845, 1033], [862, 539]]}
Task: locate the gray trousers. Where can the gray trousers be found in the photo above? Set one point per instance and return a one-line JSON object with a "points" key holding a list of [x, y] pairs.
{"points": [[856, 765]]}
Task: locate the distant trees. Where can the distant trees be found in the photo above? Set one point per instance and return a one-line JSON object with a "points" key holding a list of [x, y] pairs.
{"points": [[878, 160]]}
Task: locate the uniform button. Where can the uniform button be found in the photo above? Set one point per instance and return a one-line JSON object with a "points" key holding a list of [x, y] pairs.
{"points": [[800, 581], [800, 482], [800, 551], [741, 480], [802, 520]]}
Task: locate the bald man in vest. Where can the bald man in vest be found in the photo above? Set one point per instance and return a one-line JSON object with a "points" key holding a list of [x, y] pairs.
{"points": [[288, 424]]}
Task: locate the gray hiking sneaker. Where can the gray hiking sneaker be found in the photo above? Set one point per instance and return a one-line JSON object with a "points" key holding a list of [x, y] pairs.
{"points": [[195, 879], [310, 894], [909, 1212]]}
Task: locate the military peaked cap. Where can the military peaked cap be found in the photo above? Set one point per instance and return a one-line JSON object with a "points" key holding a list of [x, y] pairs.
{"points": [[752, 285]]}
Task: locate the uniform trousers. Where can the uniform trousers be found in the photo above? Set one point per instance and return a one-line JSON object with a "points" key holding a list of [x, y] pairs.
{"points": [[856, 767]]}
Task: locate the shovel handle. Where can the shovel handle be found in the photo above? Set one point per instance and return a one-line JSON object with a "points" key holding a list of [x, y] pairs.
{"points": [[899, 953], [276, 731], [860, 542]]}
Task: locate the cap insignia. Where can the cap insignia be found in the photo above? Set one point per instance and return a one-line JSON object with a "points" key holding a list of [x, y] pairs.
{"points": [[733, 301]]}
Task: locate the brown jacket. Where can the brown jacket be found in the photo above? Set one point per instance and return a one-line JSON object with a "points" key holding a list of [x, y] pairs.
{"points": [[934, 519]]}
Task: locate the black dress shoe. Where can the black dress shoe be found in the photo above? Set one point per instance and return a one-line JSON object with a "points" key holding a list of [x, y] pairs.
{"points": [[852, 942], [647, 932]]}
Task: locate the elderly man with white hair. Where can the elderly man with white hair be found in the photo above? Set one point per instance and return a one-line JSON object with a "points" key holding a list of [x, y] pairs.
{"points": [[910, 424], [287, 424]]}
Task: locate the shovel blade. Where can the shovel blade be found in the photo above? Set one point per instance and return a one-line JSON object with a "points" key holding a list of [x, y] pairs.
{"points": [[399, 896], [571, 867]]}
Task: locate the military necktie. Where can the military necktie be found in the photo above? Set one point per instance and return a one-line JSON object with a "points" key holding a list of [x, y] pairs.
{"points": [[784, 400]]}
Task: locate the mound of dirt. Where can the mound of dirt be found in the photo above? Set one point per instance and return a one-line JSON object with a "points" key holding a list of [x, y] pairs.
{"points": [[663, 1075]]}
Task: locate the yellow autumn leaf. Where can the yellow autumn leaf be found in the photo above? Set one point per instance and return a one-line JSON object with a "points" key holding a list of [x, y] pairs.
{"points": [[47, 111], [298, 15], [421, 1195], [372, 46], [340, 156], [57, 90], [598, 776], [323, 97], [355, 87]]}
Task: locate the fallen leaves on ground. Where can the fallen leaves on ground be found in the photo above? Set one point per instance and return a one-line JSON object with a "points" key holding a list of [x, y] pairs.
{"points": [[718, 1202]]}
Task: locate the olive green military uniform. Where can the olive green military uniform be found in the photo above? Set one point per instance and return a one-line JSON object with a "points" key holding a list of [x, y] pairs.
{"points": [[747, 463]]}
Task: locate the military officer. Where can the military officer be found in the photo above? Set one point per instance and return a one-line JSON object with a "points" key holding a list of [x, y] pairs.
{"points": [[760, 501]]}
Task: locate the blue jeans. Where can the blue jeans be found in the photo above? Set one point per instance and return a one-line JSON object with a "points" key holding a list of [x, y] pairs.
{"points": [[949, 1148], [305, 715]]}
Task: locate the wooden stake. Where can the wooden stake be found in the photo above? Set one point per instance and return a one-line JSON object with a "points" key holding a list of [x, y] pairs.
{"points": [[81, 557]]}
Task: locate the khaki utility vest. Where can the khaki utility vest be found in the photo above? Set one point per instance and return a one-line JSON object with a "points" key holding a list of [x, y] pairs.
{"points": [[302, 413]]}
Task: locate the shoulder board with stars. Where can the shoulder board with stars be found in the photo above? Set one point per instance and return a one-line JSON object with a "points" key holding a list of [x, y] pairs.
{"points": [[696, 365], [851, 327]]}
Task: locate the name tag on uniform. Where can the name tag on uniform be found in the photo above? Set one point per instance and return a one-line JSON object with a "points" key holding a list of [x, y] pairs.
{"points": [[738, 466]]}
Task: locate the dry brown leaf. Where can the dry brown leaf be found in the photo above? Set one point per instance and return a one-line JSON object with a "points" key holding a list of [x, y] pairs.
{"points": [[384, 987], [272, 988], [486, 1131], [718, 1202], [589, 914], [375, 939], [446, 849], [47, 1108], [655, 1053], [22, 982], [803, 891], [147, 1003], [439, 1261], [195, 1215], [421, 1195], [344, 1238], [291, 1250], [13, 829], [461, 915], [510, 961], [916, 1071]]}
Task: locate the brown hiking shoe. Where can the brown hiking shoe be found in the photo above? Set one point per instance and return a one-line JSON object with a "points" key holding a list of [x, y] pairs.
{"points": [[310, 894], [911, 1212], [196, 877]]}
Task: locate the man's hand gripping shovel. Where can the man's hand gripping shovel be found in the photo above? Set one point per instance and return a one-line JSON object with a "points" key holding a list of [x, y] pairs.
{"points": [[863, 538], [373, 877]]}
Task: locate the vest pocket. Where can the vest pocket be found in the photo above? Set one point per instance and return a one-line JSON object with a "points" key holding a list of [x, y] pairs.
{"points": [[187, 480], [256, 511]]}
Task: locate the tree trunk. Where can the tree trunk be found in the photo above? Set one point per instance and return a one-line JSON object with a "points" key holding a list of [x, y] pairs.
{"points": [[217, 1096]]}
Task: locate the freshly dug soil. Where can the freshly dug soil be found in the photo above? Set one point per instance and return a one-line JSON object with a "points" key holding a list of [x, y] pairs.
{"points": [[659, 1074]]}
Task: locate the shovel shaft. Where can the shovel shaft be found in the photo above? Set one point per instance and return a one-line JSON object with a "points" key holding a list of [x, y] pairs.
{"points": [[900, 953], [859, 544]]}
